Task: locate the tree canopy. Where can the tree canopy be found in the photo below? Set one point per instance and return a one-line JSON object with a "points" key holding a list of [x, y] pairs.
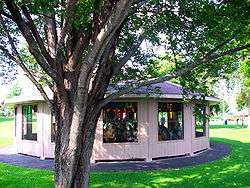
{"points": [[188, 32]]}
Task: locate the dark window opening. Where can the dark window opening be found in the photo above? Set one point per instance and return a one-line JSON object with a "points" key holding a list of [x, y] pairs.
{"points": [[200, 120], [29, 122], [120, 122], [170, 121], [15, 120]]}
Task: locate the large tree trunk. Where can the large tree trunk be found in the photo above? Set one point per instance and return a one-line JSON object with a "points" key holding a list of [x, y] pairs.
{"points": [[74, 143], [77, 116]]}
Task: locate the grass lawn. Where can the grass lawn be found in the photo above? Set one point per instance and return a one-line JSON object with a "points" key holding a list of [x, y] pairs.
{"points": [[227, 126], [6, 132], [233, 171]]}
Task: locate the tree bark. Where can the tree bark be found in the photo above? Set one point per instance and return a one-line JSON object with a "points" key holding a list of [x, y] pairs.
{"points": [[74, 145]]}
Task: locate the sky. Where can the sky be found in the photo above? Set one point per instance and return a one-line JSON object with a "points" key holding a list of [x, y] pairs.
{"points": [[27, 87], [228, 93], [3, 92]]}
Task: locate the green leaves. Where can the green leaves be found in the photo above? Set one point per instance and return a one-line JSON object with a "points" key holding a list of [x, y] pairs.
{"points": [[244, 94], [84, 14], [186, 30], [245, 69], [242, 99], [15, 90], [40, 6]]}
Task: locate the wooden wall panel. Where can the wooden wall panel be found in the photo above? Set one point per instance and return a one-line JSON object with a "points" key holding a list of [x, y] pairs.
{"points": [[148, 146]]}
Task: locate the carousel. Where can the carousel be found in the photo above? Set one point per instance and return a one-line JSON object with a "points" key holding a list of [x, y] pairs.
{"points": [[137, 126]]}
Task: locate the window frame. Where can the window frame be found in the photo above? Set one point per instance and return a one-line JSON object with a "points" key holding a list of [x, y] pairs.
{"points": [[137, 132], [24, 137], [204, 124], [182, 114]]}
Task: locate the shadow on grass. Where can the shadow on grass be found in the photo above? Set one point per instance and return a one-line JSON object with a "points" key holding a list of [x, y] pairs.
{"points": [[232, 171]]}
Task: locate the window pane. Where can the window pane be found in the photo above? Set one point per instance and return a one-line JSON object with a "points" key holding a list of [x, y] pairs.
{"points": [[29, 122], [200, 121], [15, 120], [170, 121], [120, 122]]}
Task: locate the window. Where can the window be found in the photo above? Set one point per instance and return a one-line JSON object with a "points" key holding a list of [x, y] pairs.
{"points": [[120, 122], [170, 121], [29, 122], [53, 128], [15, 120], [200, 121]]}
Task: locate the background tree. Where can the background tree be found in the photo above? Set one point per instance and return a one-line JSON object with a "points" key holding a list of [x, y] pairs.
{"points": [[244, 95], [15, 90], [243, 98], [8, 110], [86, 45], [220, 108]]}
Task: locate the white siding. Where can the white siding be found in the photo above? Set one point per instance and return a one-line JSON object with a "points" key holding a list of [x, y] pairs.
{"points": [[166, 148], [29, 147], [111, 151]]}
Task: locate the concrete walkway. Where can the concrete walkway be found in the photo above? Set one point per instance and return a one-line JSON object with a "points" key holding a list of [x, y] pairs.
{"points": [[217, 151]]}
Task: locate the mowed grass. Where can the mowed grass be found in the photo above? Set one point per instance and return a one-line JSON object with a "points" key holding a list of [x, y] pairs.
{"points": [[6, 132], [239, 126], [232, 171], [18, 177]]}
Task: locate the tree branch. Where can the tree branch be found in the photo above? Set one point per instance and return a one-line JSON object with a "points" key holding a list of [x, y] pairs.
{"points": [[106, 34], [5, 14], [66, 22], [76, 51], [104, 71], [231, 51], [51, 33], [17, 58], [17, 17], [96, 51], [131, 52], [216, 48], [6, 52], [180, 72], [107, 9], [37, 36], [42, 77], [96, 19]]}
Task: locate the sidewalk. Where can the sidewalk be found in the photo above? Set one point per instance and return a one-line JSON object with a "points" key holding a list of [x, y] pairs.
{"points": [[217, 151]]}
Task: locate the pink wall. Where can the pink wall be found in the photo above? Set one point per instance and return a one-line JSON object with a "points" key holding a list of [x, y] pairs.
{"points": [[148, 146]]}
